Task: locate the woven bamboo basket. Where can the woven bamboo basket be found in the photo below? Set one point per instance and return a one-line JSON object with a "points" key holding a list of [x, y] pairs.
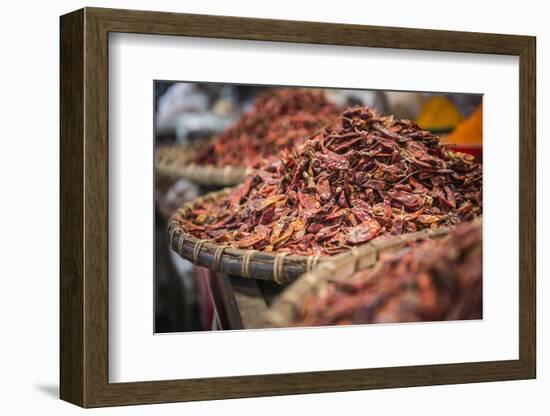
{"points": [[279, 267], [176, 162], [285, 307]]}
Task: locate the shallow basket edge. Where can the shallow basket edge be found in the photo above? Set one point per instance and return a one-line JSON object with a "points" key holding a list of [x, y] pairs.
{"points": [[279, 267], [180, 166]]}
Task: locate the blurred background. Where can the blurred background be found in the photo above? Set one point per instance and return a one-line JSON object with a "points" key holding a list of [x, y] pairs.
{"points": [[189, 298]]}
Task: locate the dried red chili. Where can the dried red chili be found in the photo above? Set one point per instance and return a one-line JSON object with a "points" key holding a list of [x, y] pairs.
{"points": [[432, 281], [280, 118], [364, 177]]}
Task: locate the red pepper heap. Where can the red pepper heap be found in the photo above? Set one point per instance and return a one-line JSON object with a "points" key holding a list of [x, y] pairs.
{"points": [[364, 177], [280, 118], [433, 281]]}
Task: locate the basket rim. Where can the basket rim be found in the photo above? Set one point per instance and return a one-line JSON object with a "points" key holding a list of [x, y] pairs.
{"points": [[181, 167]]}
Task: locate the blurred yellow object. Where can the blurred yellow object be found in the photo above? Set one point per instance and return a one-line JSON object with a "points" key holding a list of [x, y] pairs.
{"points": [[439, 113], [470, 131]]}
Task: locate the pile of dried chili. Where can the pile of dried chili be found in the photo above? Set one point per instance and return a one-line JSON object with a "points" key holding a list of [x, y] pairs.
{"points": [[432, 281], [279, 119], [364, 177]]}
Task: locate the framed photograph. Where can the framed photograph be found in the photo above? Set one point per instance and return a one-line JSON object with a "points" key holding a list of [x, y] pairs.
{"points": [[260, 207]]}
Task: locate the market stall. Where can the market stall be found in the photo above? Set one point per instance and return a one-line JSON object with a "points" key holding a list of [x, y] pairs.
{"points": [[320, 180]]}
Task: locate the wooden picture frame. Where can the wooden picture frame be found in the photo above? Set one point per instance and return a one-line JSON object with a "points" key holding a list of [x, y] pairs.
{"points": [[84, 207]]}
